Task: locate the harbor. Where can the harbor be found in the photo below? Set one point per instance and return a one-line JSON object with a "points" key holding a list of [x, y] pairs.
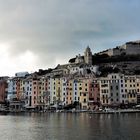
{"points": [[68, 126]]}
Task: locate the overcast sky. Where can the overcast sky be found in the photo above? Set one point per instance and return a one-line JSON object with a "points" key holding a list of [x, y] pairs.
{"points": [[43, 33]]}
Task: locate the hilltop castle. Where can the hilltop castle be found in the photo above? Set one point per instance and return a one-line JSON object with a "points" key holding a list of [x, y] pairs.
{"points": [[129, 48]]}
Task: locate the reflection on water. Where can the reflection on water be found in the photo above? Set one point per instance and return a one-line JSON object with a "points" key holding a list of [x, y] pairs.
{"points": [[68, 126]]}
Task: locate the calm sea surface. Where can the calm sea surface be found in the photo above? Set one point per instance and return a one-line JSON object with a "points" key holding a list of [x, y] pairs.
{"points": [[67, 126]]}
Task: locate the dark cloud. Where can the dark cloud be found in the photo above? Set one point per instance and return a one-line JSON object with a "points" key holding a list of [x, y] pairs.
{"points": [[59, 29]]}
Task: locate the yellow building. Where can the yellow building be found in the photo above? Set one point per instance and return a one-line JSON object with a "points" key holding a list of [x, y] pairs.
{"points": [[104, 83], [138, 89], [83, 90], [69, 92], [131, 89]]}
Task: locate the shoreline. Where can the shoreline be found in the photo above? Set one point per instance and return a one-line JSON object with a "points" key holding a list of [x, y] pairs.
{"points": [[121, 111], [116, 111]]}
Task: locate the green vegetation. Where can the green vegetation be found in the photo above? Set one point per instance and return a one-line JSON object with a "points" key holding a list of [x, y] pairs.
{"points": [[98, 59], [105, 70]]}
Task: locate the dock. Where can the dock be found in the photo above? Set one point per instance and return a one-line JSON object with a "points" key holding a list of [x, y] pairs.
{"points": [[115, 111]]}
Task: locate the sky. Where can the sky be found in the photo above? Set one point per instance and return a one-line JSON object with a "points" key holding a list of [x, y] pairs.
{"points": [[39, 34]]}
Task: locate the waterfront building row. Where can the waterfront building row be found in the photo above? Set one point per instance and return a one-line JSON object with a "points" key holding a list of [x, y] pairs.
{"points": [[41, 92]]}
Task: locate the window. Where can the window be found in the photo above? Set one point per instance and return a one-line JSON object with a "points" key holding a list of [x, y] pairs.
{"points": [[107, 101], [134, 95], [84, 94], [27, 88], [84, 100]]}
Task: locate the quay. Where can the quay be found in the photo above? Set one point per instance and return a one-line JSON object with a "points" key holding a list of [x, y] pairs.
{"points": [[107, 111], [115, 111]]}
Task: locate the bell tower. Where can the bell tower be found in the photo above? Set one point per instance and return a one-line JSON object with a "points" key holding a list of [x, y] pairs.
{"points": [[88, 56]]}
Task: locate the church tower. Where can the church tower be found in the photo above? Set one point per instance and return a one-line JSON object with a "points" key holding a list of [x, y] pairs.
{"points": [[88, 56]]}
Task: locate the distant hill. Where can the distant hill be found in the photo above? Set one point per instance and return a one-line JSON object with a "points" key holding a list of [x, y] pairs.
{"points": [[104, 58]]}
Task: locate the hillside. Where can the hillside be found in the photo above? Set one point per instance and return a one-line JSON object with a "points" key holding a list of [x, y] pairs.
{"points": [[127, 64]]}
